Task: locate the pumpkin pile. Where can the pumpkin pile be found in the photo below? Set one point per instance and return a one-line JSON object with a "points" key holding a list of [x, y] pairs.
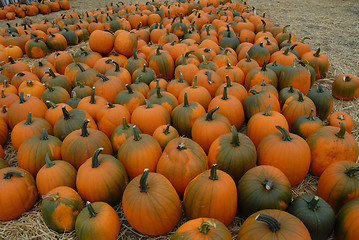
{"points": [[152, 111], [12, 11]]}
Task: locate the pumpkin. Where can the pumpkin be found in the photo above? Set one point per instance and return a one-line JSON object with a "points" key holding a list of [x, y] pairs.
{"points": [[70, 121], [316, 214], [130, 99], [258, 102], [345, 87], [155, 113], [164, 134], [176, 85], [56, 42], [120, 134], [55, 94], [165, 99], [339, 183], [202, 228], [256, 76], [162, 63], [27, 128], [57, 80], [11, 68], [347, 223], [215, 124], [141, 150], [60, 207], [259, 53], [318, 61], [106, 176], [263, 123], [34, 48], [101, 41], [80, 72], [286, 93], [205, 194], [54, 174], [60, 60], [286, 151], [153, 194], [93, 221], [263, 187], [181, 161], [19, 192], [273, 224], [118, 72], [323, 101], [247, 64], [331, 144], [125, 42], [335, 118], [84, 141], [134, 62], [306, 124], [296, 76]]}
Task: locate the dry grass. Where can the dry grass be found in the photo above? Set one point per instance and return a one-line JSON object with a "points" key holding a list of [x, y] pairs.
{"points": [[332, 25]]}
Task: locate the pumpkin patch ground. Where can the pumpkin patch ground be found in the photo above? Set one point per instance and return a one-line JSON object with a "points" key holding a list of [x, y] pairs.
{"points": [[330, 25]]}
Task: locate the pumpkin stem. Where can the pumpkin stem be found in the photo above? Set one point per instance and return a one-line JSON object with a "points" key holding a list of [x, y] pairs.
{"points": [[148, 104], [158, 91], [267, 111], [320, 88], [28, 119], [350, 172], [224, 96], [209, 75], [166, 131], [180, 79], [285, 134], [313, 204], [80, 67], [104, 78], [51, 73], [11, 60], [248, 57], [268, 184], [311, 115], [21, 97], [210, 114], [11, 173], [125, 124], [48, 161], [95, 162], [300, 97], [91, 210], [274, 225], [285, 28], [254, 92], [194, 83], [228, 81], [342, 130], [213, 176], [136, 136], [143, 181], [185, 102], [316, 54], [286, 52], [264, 67], [44, 135], [84, 131], [206, 226], [346, 78], [235, 137], [130, 91], [302, 41], [66, 114], [3, 109], [181, 145], [92, 99]]}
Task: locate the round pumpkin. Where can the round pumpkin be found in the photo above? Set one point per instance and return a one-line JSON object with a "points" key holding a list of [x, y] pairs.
{"points": [[347, 223], [346, 87]]}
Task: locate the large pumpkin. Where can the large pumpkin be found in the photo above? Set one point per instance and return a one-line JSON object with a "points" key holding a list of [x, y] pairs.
{"points": [[347, 223], [19, 192], [60, 207], [153, 194], [204, 196]]}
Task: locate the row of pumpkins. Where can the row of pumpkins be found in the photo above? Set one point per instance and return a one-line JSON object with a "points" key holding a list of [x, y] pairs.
{"points": [[12, 11], [202, 76]]}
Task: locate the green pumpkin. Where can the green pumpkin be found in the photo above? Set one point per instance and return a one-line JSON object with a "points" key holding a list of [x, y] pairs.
{"points": [[323, 101], [263, 187], [60, 207], [286, 93], [316, 214]]}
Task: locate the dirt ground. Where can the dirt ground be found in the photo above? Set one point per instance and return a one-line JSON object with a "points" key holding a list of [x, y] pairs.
{"points": [[332, 25]]}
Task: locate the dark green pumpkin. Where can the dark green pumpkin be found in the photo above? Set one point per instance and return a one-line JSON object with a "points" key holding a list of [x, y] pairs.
{"points": [[316, 214], [323, 101], [71, 36], [233, 153], [276, 67], [55, 94], [263, 187], [286, 93], [162, 63], [86, 77], [60, 207], [259, 53], [134, 62], [147, 75], [58, 81], [81, 90]]}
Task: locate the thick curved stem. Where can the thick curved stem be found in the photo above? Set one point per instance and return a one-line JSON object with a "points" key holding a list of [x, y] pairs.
{"points": [[95, 162], [143, 181], [273, 224], [213, 176]]}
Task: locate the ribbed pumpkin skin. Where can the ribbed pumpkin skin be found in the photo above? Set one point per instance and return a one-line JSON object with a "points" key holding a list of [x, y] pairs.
{"points": [[327, 148], [163, 65], [231, 158], [19, 194], [104, 183], [253, 195], [205, 197], [305, 125], [259, 102], [256, 76], [290, 227], [60, 207], [91, 228], [347, 223], [291, 156], [161, 205], [84, 147], [319, 62], [190, 230], [317, 215], [137, 155], [295, 75], [346, 87], [181, 161], [323, 101], [337, 186]]}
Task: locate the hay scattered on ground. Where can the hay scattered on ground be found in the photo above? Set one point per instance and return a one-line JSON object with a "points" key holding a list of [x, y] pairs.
{"points": [[332, 26]]}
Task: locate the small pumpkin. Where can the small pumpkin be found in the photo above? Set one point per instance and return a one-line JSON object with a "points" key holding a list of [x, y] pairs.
{"points": [[346, 87], [336, 117]]}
